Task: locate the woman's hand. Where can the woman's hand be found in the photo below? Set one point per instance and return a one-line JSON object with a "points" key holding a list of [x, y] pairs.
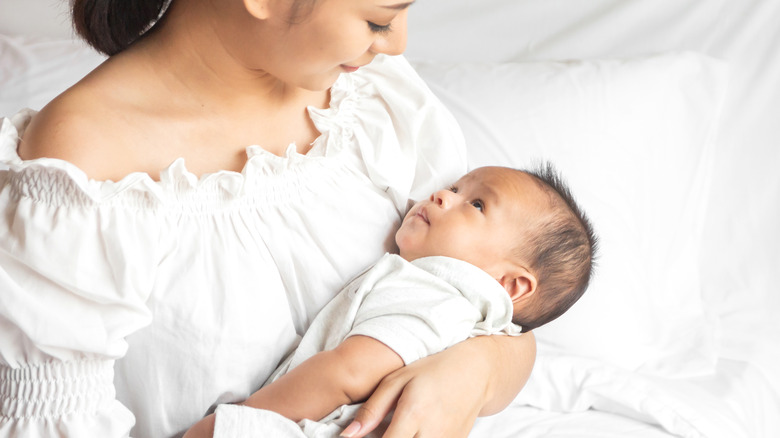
{"points": [[442, 395]]}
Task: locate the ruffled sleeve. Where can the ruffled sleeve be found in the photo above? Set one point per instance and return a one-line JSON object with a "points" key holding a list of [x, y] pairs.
{"points": [[70, 292], [410, 143]]}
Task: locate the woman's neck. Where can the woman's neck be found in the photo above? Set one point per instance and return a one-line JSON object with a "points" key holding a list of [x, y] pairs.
{"points": [[191, 59]]}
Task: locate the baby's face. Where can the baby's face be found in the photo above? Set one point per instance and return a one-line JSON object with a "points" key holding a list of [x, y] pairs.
{"points": [[481, 219]]}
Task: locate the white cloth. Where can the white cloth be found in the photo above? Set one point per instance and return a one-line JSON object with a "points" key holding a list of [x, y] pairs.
{"points": [[198, 286], [416, 308]]}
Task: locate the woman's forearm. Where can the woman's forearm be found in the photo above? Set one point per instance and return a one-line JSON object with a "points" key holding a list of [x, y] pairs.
{"points": [[512, 361], [477, 377]]}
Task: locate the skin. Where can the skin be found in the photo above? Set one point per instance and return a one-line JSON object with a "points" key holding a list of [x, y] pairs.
{"points": [[478, 220], [216, 77], [203, 95], [345, 375]]}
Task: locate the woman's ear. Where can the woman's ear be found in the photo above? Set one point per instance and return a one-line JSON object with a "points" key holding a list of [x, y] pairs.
{"points": [[520, 284], [257, 8]]}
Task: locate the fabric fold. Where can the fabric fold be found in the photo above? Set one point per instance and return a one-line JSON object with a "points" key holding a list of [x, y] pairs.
{"points": [[56, 388]]}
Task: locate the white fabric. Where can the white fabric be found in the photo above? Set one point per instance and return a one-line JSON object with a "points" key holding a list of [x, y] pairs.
{"points": [[197, 287], [740, 251], [239, 421], [25, 17], [739, 254], [35, 70], [634, 138], [569, 396], [415, 308]]}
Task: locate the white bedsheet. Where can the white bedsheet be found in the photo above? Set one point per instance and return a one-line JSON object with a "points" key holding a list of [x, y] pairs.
{"points": [[580, 398], [734, 402], [741, 249], [528, 422]]}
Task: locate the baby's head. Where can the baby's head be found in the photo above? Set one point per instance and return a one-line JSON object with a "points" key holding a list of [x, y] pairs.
{"points": [[521, 227]]}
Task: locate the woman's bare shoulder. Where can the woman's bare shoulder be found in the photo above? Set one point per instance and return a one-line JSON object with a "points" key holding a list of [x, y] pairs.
{"points": [[53, 131], [74, 128]]}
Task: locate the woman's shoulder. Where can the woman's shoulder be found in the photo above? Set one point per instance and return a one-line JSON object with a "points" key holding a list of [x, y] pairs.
{"points": [[52, 130], [68, 128]]}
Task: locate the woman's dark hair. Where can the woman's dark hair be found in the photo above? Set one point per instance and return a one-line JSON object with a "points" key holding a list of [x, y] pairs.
{"points": [[300, 10], [110, 26]]}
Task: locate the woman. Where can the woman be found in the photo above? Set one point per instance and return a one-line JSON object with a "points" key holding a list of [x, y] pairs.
{"points": [[173, 222]]}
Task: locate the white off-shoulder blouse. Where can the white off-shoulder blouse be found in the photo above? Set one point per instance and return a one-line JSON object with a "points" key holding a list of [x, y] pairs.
{"points": [[131, 307]]}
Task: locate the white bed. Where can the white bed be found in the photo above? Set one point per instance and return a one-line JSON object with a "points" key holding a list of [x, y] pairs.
{"points": [[665, 117]]}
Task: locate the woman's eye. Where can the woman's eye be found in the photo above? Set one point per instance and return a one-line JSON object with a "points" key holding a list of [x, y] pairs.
{"points": [[378, 28], [479, 205]]}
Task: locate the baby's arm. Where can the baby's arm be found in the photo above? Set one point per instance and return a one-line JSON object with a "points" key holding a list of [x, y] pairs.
{"points": [[345, 375]]}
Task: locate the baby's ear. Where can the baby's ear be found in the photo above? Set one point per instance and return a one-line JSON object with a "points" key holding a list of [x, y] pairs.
{"points": [[520, 284], [257, 8]]}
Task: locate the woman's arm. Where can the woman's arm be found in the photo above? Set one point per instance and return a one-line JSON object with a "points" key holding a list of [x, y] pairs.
{"points": [[443, 394], [73, 287]]}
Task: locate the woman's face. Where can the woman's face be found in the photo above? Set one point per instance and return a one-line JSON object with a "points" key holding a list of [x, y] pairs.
{"points": [[334, 37]]}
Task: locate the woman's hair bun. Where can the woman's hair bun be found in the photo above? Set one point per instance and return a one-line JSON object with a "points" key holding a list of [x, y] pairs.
{"points": [[110, 26]]}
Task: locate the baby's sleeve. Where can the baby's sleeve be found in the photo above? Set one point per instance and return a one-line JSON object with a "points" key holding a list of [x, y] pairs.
{"points": [[70, 292], [415, 315]]}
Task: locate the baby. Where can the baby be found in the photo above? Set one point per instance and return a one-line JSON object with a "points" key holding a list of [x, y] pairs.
{"points": [[502, 251]]}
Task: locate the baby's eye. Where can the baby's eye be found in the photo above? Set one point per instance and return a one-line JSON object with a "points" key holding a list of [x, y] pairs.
{"points": [[453, 189], [478, 204]]}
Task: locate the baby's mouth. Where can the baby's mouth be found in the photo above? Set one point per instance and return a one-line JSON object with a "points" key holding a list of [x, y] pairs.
{"points": [[423, 215]]}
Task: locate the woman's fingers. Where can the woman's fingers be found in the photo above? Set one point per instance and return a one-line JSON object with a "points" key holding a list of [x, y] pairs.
{"points": [[424, 411], [425, 404], [376, 408], [442, 394], [407, 420]]}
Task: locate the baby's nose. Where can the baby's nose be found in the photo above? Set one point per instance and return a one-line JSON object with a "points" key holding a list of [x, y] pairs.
{"points": [[441, 198]]}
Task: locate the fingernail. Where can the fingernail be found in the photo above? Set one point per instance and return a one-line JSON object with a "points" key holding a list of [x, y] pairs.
{"points": [[351, 430]]}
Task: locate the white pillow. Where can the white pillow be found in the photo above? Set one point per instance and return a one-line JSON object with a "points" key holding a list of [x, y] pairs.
{"points": [[634, 139], [35, 70]]}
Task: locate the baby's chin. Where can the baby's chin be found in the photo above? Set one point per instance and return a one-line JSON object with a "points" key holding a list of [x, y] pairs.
{"points": [[405, 254], [409, 255]]}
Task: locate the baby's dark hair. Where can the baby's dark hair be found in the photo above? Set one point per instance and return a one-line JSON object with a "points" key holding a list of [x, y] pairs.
{"points": [[560, 252]]}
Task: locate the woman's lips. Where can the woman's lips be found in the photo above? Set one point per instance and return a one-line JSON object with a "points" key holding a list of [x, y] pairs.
{"points": [[349, 68]]}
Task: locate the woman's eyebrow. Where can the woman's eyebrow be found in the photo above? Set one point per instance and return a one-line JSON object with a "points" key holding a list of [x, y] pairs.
{"points": [[399, 6]]}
